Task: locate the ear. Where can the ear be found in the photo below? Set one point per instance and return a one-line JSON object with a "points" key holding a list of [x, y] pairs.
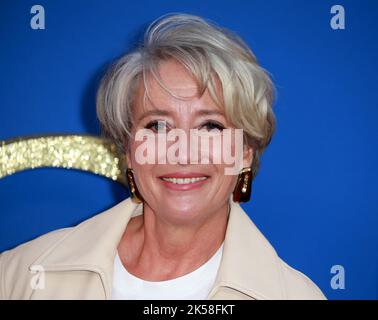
{"points": [[247, 156]]}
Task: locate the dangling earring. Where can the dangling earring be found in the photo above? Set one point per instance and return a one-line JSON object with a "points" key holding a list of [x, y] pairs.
{"points": [[135, 195], [243, 188]]}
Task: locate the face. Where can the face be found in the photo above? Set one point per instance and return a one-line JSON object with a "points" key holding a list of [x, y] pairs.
{"points": [[185, 191]]}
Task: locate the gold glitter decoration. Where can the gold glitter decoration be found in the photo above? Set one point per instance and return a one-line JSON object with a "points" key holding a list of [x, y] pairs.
{"points": [[83, 152]]}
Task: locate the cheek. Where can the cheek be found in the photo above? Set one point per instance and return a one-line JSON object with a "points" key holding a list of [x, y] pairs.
{"points": [[145, 181], [226, 153], [143, 172], [149, 150], [223, 182]]}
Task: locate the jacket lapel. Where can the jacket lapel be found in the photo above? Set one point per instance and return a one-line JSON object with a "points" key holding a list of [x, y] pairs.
{"points": [[88, 249], [249, 265]]}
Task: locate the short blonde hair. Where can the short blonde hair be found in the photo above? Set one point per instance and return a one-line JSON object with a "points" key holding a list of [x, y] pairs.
{"points": [[210, 53]]}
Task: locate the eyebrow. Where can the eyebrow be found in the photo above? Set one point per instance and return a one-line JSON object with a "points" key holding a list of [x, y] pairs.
{"points": [[158, 112], [154, 112], [207, 112]]}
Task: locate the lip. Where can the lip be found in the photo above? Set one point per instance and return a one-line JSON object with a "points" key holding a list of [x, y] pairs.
{"points": [[186, 186], [184, 175]]}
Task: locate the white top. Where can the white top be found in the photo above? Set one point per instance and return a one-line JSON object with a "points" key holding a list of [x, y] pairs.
{"points": [[195, 285]]}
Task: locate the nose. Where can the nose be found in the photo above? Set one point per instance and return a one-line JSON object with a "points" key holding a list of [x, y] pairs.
{"points": [[190, 146], [179, 151]]}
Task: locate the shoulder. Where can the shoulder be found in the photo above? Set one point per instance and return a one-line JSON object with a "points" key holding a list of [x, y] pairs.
{"points": [[272, 278], [15, 263], [26, 253], [297, 285], [62, 247]]}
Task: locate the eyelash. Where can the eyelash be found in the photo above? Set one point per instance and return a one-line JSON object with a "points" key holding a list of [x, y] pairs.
{"points": [[215, 125], [151, 124]]}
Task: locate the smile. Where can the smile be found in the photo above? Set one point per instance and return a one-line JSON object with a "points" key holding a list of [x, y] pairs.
{"points": [[184, 180]]}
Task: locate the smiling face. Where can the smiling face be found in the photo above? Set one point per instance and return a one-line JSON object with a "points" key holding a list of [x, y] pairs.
{"points": [[184, 191]]}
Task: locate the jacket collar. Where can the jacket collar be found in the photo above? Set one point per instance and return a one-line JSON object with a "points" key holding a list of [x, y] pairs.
{"points": [[249, 263]]}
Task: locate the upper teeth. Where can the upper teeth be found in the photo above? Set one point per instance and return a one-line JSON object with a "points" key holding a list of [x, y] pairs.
{"points": [[184, 180]]}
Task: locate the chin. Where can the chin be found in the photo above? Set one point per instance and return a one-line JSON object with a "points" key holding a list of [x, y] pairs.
{"points": [[183, 211]]}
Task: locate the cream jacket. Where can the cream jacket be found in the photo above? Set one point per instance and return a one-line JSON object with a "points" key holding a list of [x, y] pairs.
{"points": [[77, 262]]}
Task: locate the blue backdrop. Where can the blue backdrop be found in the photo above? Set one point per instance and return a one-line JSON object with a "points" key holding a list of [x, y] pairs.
{"points": [[315, 197]]}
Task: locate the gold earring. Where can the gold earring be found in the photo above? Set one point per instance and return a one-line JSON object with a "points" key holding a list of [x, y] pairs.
{"points": [[135, 195], [243, 188]]}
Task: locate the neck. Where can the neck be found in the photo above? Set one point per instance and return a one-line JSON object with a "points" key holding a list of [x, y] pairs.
{"points": [[173, 250]]}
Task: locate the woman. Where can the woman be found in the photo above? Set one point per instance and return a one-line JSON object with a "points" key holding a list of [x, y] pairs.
{"points": [[183, 233]]}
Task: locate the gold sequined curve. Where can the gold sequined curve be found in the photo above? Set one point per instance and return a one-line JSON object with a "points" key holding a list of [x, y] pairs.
{"points": [[83, 152]]}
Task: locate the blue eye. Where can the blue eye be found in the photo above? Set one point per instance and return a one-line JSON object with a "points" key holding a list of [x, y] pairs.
{"points": [[157, 125], [212, 125]]}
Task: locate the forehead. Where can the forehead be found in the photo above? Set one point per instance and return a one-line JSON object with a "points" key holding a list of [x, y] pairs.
{"points": [[181, 83]]}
